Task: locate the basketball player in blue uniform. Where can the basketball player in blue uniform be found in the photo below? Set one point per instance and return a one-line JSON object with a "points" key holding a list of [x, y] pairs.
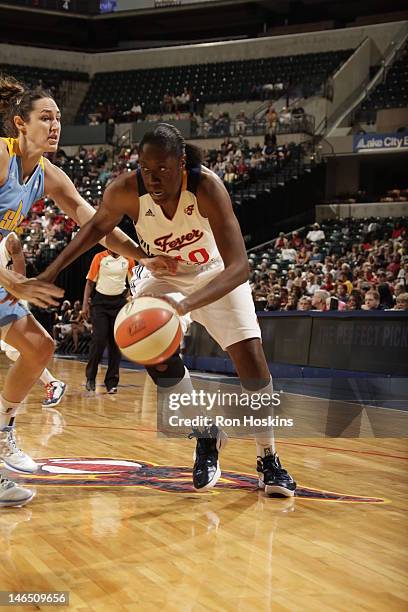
{"points": [[181, 210], [32, 119]]}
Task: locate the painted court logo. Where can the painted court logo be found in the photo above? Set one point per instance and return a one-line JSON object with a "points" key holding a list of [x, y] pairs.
{"points": [[104, 472]]}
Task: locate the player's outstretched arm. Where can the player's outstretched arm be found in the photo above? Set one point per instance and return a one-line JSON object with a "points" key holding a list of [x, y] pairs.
{"points": [[95, 225], [214, 203], [61, 189]]}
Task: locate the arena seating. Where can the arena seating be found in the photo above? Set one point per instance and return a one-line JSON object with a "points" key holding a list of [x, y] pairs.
{"points": [[390, 93], [371, 252], [46, 77], [215, 82]]}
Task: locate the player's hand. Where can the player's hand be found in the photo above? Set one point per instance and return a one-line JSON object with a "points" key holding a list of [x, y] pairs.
{"points": [[35, 291], [160, 265], [178, 306]]}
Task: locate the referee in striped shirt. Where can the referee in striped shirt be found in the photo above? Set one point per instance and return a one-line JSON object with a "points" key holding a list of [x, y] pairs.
{"points": [[106, 282]]}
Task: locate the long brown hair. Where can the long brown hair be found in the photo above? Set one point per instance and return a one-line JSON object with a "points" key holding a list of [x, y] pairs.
{"points": [[17, 99]]}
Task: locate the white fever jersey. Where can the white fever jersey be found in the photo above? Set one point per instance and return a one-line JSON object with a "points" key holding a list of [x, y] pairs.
{"points": [[188, 236]]}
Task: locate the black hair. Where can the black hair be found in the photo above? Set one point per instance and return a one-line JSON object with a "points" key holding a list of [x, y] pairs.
{"points": [[386, 296], [17, 99], [170, 139]]}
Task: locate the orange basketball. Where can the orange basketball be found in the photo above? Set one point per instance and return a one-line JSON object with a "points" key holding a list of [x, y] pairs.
{"points": [[147, 330]]}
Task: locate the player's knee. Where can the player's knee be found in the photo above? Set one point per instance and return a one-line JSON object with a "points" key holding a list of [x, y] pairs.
{"points": [[168, 373], [40, 351], [47, 348]]}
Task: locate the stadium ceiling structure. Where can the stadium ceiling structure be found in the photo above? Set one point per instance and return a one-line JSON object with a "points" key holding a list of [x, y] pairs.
{"points": [[23, 23]]}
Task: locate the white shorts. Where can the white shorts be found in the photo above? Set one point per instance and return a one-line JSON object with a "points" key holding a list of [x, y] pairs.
{"points": [[228, 320]]}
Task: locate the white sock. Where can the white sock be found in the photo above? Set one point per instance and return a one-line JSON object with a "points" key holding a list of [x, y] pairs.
{"points": [[46, 377], [265, 441], [8, 410]]}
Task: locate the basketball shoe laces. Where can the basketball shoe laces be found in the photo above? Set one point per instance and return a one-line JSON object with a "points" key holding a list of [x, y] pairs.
{"points": [[9, 444], [206, 449], [5, 483], [272, 465]]}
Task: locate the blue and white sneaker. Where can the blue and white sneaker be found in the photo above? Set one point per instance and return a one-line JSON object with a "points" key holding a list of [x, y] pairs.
{"points": [[13, 457], [54, 392], [12, 494]]}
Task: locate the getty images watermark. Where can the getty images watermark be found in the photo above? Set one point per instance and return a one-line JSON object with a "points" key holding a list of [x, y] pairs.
{"points": [[243, 412]]}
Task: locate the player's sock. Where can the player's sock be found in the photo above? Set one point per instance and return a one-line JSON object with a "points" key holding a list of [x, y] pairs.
{"points": [[46, 377], [8, 410], [265, 441]]}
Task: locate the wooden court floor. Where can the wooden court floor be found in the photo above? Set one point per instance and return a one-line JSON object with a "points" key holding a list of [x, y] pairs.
{"points": [[116, 523]]}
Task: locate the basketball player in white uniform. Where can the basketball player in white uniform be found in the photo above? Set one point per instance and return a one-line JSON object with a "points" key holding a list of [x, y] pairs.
{"points": [[191, 242], [11, 253]]}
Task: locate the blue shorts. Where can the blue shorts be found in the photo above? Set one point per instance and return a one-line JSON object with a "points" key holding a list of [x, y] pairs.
{"points": [[10, 312]]}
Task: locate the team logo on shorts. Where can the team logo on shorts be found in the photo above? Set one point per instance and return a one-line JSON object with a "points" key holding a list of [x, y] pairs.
{"points": [[104, 472]]}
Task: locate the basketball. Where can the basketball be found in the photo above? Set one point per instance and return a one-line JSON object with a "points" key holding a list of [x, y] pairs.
{"points": [[147, 330]]}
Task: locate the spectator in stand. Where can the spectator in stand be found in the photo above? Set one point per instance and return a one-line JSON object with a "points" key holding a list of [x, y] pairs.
{"points": [[291, 303], [398, 231], [401, 302], [288, 254], [168, 103], [285, 117], [77, 321], [281, 242], [319, 300], [62, 326], [345, 282], [399, 289], [271, 120], [183, 100], [315, 234], [303, 256], [372, 301], [355, 301], [395, 265], [93, 120], [386, 296], [305, 303], [273, 302], [241, 123], [269, 150], [328, 284], [230, 175], [296, 240], [341, 292], [317, 255]]}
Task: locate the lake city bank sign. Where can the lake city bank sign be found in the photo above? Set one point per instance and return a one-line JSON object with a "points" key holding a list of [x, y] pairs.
{"points": [[368, 143]]}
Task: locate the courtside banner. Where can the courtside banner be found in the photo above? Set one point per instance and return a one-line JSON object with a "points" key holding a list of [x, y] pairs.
{"points": [[371, 143]]}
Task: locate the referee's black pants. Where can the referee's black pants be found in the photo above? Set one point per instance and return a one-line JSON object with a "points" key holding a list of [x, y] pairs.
{"points": [[104, 309]]}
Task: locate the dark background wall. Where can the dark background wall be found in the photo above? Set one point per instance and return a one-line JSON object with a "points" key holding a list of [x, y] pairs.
{"points": [[375, 342]]}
